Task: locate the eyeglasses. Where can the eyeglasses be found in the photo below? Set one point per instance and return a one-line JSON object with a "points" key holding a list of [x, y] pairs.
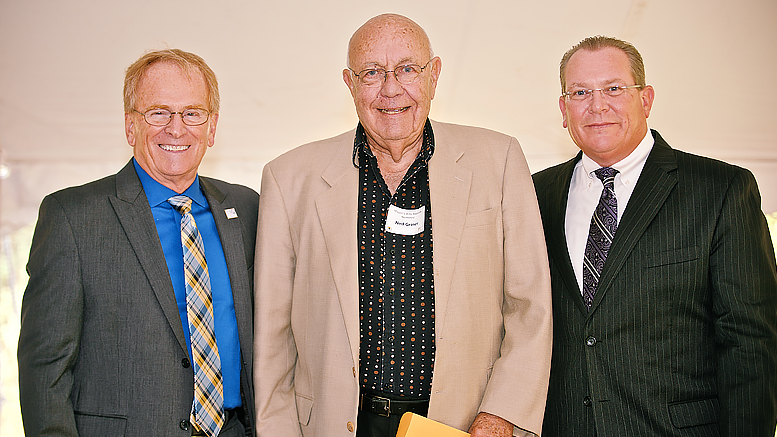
{"points": [[404, 74], [162, 117], [610, 91]]}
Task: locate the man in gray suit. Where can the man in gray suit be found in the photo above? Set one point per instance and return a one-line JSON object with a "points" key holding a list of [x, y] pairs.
{"points": [[663, 273], [109, 342]]}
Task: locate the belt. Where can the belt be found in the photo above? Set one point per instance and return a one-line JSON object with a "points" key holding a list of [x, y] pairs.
{"points": [[386, 407], [228, 415]]}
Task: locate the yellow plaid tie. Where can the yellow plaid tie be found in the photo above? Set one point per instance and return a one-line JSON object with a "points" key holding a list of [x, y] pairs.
{"points": [[208, 407]]}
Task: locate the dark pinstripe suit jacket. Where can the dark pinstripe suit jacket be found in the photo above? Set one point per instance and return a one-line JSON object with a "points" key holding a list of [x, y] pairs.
{"points": [[681, 339], [102, 349]]}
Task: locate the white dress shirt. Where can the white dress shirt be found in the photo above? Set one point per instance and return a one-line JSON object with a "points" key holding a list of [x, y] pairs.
{"points": [[585, 190]]}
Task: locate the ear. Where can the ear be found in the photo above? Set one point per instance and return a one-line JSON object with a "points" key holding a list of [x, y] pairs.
{"points": [[348, 79], [129, 129], [214, 119], [436, 68], [562, 104], [647, 95]]}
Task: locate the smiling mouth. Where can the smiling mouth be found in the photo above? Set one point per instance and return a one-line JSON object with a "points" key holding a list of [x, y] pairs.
{"points": [[171, 148], [394, 110], [601, 124]]}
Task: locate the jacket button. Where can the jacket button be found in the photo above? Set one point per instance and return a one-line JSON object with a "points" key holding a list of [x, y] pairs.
{"points": [[587, 401], [590, 341], [185, 363], [354, 371], [349, 426], [184, 425]]}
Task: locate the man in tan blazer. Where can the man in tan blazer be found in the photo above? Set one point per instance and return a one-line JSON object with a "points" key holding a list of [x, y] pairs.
{"points": [[400, 266]]}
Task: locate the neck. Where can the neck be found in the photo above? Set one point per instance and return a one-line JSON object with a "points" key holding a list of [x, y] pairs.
{"points": [[393, 162], [178, 185], [396, 150]]}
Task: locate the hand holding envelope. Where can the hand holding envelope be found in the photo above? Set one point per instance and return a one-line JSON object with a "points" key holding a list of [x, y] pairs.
{"points": [[413, 425]]}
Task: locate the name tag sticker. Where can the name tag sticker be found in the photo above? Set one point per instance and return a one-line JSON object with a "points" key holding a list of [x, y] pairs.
{"points": [[405, 221]]}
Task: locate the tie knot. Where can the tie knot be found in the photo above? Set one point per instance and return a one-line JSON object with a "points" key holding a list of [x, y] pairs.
{"points": [[606, 175], [182, 204]]}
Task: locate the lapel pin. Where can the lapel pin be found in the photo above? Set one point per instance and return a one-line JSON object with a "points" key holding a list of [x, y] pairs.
{"points": [[231, 213]]}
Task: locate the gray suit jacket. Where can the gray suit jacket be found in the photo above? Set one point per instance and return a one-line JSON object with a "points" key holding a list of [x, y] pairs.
{"points": [[681, 339], [102, 349]]}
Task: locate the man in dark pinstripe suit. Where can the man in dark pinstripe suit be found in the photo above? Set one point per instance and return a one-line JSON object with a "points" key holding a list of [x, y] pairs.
{"points": [[680, 336]]}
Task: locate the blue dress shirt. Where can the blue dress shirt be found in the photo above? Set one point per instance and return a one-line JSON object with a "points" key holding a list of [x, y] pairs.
{"points": [[168, 226]]}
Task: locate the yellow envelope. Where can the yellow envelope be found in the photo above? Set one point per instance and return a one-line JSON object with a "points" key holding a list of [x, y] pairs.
{"points": [[413, 425]]}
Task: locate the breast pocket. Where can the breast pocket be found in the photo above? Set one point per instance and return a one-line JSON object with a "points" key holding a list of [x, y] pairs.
{"points": [[481, 218], [674, 256], [479, 258]]}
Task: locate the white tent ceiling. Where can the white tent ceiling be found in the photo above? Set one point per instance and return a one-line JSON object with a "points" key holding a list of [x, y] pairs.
{"points": [[712, 63]]}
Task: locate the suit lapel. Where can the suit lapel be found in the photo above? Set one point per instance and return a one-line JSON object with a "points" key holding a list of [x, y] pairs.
{"points": [[231, 236], [653, 187], [555, 215], [337, 210], [449, 186], [134, 214]]}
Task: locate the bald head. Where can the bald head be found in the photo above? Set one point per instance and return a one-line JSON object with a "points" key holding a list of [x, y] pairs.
{"points": [[392, 112], [387, 26]]}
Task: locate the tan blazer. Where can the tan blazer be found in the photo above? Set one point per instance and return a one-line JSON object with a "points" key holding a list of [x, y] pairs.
{"points": [[492, 287]]}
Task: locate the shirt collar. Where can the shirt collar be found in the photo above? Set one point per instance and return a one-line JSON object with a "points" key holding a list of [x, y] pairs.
{"points": [[360, 144], [157, 193], [629, 167]]}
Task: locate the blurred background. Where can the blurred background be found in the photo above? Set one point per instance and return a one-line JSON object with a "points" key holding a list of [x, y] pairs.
{"points": [[712, 63]]}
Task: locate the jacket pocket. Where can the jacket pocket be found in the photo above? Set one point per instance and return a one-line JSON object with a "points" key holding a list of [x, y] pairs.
{"points": [[304, 408], [694, 413], [481, 218], [674, 256], [100, 426]]}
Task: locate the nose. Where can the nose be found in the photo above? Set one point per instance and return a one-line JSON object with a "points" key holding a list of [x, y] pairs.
{"points": [[599, 102], [391, 86], [176, 127]]}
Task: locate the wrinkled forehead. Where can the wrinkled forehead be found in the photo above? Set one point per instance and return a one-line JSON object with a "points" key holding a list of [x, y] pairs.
{"points": [[604, 61], [171, 71], [168, 82], [387, 42]]}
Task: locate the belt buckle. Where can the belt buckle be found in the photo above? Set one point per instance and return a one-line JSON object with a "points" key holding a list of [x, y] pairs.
{"points": [[384, 403]]}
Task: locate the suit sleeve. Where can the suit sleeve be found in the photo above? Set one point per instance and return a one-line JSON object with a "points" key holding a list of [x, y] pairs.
{"points": [[517, 388], [52, 315], [275, 352], [744, 281]]}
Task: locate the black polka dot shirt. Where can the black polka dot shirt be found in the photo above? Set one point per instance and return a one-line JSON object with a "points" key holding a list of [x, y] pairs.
{"points": [[396, 286]]}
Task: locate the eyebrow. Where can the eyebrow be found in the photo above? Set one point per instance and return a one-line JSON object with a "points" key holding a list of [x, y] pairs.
{"points": [[404, 61], [586, 86], [170, 108]]}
